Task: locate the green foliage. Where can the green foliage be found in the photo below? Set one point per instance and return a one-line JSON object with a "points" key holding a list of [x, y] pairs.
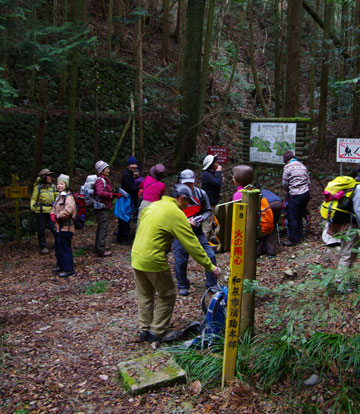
{"points": [[316, 292], [98, 287]]}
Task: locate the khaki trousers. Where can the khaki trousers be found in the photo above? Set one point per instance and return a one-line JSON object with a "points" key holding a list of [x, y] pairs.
{"points": [[148, 284], [208, 225]]}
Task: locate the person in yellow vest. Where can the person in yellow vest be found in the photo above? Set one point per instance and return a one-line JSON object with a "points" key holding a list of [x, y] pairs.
{"points": [[161, 222], [42, 200]]}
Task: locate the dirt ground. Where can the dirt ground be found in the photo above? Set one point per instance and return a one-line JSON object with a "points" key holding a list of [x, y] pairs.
{"points": [[60, 346]]}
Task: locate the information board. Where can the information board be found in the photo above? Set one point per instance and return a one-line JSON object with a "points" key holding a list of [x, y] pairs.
{"points": [[270, 140], [348, 150]]}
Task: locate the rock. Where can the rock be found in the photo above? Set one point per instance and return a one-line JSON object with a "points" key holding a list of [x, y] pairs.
{"points": [[149, 372], [312, 380]]}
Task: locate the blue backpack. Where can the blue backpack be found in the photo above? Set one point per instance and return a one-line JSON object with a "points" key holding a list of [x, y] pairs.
{"points": [[213, 324]]}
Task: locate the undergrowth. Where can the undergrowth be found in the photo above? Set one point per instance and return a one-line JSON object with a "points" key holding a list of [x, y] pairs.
{"points": [[297, 345]]}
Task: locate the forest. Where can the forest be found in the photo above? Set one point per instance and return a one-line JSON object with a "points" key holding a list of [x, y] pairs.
{"points": [[162, 80]]}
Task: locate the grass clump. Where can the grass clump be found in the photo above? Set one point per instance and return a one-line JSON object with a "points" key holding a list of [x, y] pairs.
{"points": [[98, 287], [81, 250]]}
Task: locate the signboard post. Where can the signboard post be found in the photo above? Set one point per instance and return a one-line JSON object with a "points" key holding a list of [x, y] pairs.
{"points": [[16, 192], [347, 150], [221, 152], [233, 314]]}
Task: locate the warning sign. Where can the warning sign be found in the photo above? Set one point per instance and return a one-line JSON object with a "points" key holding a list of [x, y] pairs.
{"points": [[348, 150]]}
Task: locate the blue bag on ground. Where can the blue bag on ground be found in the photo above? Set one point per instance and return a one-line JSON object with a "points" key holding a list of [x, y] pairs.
{"points": [[213, 325]]}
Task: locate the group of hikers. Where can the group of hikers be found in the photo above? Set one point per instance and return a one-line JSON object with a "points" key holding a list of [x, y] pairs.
{"points": [[182, 220]]}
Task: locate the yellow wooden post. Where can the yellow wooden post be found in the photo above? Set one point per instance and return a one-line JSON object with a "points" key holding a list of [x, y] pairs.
{"points": [[252, 199], [235, 292]]}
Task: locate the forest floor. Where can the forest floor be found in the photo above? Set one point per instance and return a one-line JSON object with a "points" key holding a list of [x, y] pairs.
{"points": [[60, 345]]}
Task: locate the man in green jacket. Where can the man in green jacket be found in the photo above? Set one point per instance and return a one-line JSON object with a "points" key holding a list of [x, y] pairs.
{"points": [[161, 223]]}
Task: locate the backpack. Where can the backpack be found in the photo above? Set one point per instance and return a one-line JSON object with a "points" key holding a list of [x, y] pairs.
{"points": [[80, 217], [266, 217], [80, 214], [337, 206], [213, 324], [87, 190]]}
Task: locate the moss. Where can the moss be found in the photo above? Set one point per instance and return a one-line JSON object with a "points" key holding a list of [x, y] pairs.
{"points": [[127, 380]]}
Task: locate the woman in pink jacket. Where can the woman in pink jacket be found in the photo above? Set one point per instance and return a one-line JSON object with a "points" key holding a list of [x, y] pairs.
{"points": [[153, 188]]}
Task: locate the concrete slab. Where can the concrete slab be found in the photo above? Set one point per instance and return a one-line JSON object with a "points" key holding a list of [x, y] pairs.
{"points": [[150, 371]]}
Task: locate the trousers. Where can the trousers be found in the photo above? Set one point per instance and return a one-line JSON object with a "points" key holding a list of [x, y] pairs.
{"points": [[181, 261], [155, 318], [63, 250]]}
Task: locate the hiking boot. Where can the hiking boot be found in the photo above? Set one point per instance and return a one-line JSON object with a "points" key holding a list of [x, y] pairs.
{"points": [[105, 254], [183, 292], [44, 250], [289, 243], [144, 336], [168, 337], [67, 274]]}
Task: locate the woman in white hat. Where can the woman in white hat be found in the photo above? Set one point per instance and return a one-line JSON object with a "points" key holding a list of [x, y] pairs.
{"points": [[63, 214]]}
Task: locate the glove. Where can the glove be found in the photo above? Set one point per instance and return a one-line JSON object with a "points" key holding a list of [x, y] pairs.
{"points": [[53, 219]]}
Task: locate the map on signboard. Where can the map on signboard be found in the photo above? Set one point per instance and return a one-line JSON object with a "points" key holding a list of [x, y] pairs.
{"points": [[348, 150], [269, 141]]}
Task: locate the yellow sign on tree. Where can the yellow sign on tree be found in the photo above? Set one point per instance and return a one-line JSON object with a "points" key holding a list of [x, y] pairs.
{"points": [[235, 291]]}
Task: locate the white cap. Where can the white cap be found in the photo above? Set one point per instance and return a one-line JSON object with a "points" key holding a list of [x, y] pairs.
{"points": [[208, 160], [187, 176]]}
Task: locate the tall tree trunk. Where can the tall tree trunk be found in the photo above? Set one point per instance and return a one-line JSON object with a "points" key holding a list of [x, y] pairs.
{"points": [[109, 29], [76, 14], [96, 110], [282, 56], [189, 107], [119, 25], [139, 77], [228, 86], [295, 8], [165, 45], [40, 130], [252, 61], [182, 43], [345, 36], [356, 71], [178, 19], [63, 72], [206, 62], [313, 70], [277, 77], [324, 77]]}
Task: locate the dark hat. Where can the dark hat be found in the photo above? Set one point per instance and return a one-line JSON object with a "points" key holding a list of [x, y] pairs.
{"points": [[184, 190], [132, 160], [288, 155], [43, 173], [157, 171]]}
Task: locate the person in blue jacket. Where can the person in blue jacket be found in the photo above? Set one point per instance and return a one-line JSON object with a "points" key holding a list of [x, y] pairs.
{"points": [[211, 182]]}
